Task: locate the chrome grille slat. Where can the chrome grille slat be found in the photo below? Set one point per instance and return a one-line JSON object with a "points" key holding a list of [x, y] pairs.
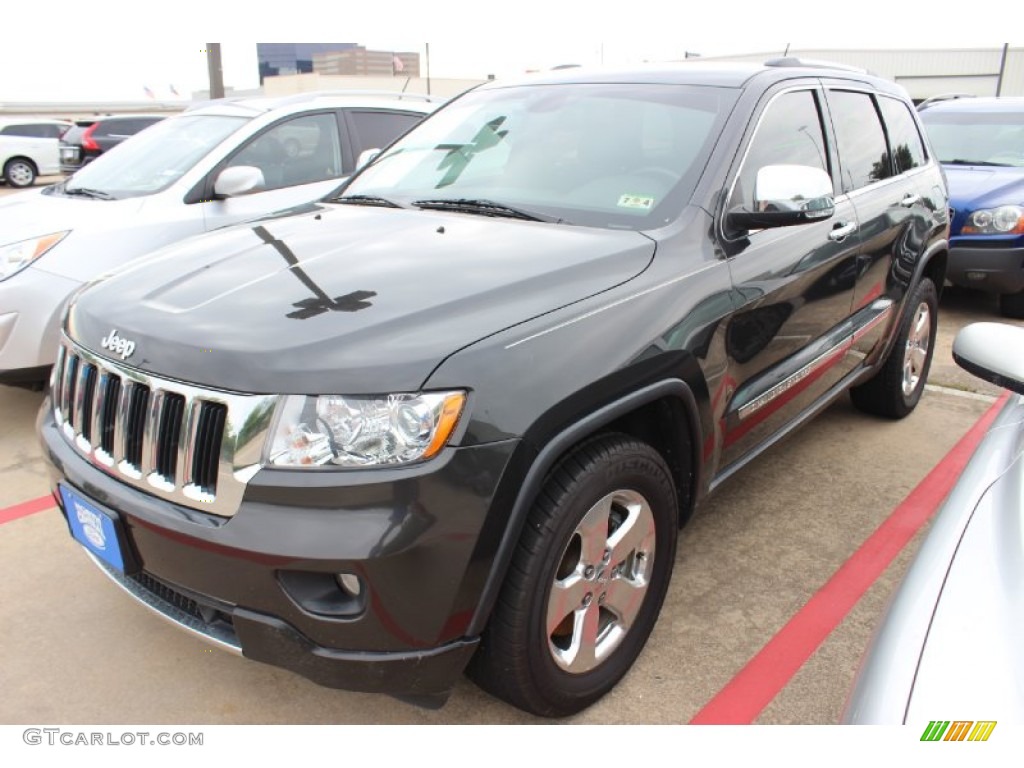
{"points": [[187, 444]]}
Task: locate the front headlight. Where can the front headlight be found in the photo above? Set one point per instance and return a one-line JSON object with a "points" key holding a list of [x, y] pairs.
{"points": [[341, 431], [16, 256], [1004, 220]]}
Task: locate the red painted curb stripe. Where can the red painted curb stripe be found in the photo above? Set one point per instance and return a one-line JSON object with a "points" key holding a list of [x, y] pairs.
{"points": [[745, 696], [26, 508]]}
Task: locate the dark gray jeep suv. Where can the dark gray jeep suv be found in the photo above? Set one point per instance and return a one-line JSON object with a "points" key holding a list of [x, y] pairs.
{"points": [[452, 416]]}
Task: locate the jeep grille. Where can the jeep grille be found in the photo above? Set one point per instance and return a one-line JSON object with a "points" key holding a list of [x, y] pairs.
{"points": [[193, 446]]}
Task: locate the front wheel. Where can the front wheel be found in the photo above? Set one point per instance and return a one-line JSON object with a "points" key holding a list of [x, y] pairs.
{"points": [[897, 387], [587, 580]]}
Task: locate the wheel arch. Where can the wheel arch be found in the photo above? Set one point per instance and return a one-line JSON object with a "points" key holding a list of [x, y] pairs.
{"points": [[664, 414]]}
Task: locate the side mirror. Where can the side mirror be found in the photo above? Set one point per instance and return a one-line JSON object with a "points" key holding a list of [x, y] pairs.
{"points": [[785, 195], [238, 180], [366, 157], [992, 351]]}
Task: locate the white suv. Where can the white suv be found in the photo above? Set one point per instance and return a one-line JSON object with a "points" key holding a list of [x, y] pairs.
{"points": [[28, 149], [217, 164]]}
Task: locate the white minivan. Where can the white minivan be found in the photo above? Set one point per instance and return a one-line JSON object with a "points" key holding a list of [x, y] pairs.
{"points": [[214, 165]]}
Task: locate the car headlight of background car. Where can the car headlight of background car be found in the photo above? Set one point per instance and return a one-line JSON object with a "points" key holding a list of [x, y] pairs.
{"points": [[1004, 220], [343, 431], [16, 256]]}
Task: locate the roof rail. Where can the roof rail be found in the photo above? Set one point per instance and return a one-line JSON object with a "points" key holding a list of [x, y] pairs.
{"points": [[304, 96], [796, 61], [298, 98], [943, 97]]}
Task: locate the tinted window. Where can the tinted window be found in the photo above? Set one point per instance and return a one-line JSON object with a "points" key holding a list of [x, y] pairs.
{"points": [[126, 127], [30, 130], [53, 130], [299, 151], [375, 130], [863, 154], [789, 133], [904, 139]]}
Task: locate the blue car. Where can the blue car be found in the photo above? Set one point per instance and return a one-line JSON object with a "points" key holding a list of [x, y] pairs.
{"points": [[980, 143]]}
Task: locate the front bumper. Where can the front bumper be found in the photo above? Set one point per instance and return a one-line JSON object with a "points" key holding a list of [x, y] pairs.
{"points": [[997, 270], [31, 305], [263, 583]]}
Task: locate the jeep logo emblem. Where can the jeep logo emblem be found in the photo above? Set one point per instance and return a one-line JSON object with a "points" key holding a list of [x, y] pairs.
{"points": [[118, 345]]}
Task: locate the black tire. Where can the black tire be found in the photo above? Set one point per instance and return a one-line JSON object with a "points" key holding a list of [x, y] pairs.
{"points": [[19, 172], [1012, 305], [896, 389], [517, 660]]}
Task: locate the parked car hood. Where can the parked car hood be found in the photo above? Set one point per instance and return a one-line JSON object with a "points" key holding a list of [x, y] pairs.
{"points": [[972, 187], [31, 214], [344, 299]]}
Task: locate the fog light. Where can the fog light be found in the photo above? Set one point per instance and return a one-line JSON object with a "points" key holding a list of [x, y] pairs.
{"points": [[350, 583]]}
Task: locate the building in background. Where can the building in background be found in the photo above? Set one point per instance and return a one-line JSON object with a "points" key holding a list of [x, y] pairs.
{"points": [[292, 58], [358, 61]]}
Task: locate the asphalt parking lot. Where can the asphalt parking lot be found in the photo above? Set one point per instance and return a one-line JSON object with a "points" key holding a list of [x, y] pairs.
{"points": [[755, 556]]}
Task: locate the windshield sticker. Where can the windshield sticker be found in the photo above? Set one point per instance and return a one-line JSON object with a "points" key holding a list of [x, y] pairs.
{"points": [[641, 202]]}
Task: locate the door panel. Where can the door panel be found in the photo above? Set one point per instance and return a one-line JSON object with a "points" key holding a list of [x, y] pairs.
{"points": [[788, 340]]}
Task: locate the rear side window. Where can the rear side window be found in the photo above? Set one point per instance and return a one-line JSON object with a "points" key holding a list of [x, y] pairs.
{"points": [[863, 153], [789, 133], [904, 140], [377, 129]]}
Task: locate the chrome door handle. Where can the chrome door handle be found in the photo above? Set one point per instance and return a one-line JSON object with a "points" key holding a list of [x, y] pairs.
{"points": [[910, 201], [842, 230]]}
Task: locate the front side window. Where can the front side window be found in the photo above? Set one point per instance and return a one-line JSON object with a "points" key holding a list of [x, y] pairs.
{"points": [[904, 139], [299, 151], [788, 133], [604, 155], [863, 153]]}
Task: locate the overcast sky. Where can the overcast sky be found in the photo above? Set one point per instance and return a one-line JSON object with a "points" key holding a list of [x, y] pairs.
{"points": [[116, 49]]}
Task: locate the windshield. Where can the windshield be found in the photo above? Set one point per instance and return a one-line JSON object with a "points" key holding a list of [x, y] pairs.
{"points": [[152, 159], [625, 156], [976, 138]]}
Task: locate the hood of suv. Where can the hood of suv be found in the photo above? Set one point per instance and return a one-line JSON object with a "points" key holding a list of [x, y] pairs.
{"points": [[973, 187], [343, 299]]}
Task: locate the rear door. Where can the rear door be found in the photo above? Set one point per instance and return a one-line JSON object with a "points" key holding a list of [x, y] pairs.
{"points": [[788, 338], [882, 172]]}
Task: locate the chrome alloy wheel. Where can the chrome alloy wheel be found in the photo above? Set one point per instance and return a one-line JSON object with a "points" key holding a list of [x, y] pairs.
{"points": [[601, 581], [915, 357]]}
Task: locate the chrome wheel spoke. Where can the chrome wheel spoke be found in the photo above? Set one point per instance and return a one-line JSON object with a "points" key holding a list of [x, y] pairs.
{"points": [[593, 531], [636, 532], [566, 596], [624, 598]]}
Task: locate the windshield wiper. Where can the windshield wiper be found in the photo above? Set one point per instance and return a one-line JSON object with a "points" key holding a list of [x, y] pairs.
{"points": [[958, 161], [483, 208], [95, 194], [381, 202]]}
